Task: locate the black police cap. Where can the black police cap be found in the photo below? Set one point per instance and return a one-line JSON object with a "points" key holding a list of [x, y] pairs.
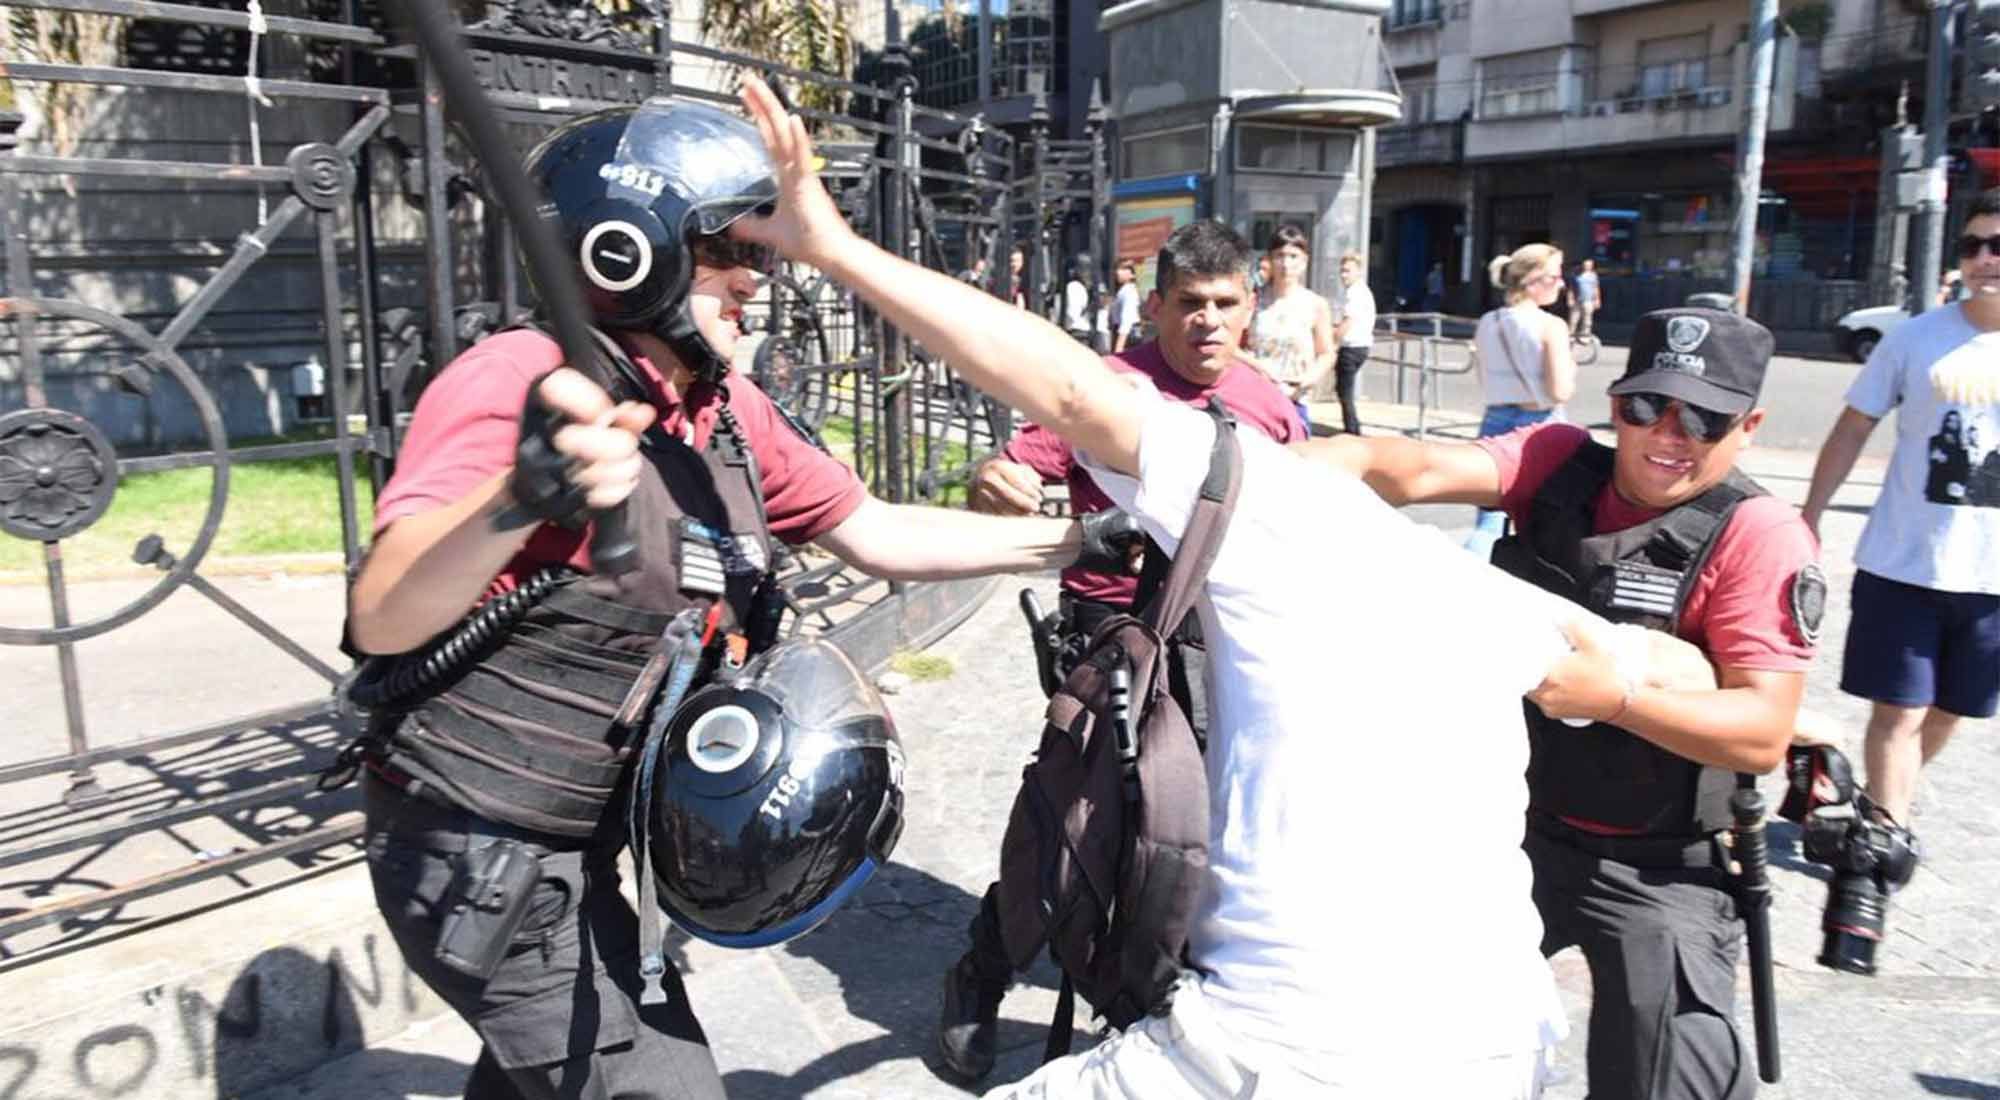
{"points": [[1710, 358]]}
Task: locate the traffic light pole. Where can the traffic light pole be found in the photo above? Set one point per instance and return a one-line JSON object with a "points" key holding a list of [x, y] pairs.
{"points": [[1927, 226]]}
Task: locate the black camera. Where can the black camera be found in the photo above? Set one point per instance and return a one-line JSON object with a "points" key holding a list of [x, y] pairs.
{"points": [[1871, 856]]}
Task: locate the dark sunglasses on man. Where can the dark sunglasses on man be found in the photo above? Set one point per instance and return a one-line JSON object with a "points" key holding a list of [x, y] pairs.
{"points": [[723, 253], [1643, 410], [1969, 246]]}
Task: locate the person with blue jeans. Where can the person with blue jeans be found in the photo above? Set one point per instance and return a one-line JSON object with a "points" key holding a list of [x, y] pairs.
{"points": [[1525, 367]]}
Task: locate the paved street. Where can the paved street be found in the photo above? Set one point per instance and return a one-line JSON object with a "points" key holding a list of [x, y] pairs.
{"points": [[847, 1011]]}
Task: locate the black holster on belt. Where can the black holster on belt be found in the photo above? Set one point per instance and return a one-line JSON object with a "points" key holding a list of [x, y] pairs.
{"points": [[488, 900]]}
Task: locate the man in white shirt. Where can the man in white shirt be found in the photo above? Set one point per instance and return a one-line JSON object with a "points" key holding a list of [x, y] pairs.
{"points": [[1125, 306], [1077, 313], [1923, 645], [1356, 336], [1327, 958]]}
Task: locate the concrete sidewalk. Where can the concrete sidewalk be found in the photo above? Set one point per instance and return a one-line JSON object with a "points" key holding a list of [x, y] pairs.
{"points": [[848, 1011]]}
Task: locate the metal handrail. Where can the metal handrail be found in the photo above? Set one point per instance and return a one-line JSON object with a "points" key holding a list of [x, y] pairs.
{"points": [[1435, 354]]}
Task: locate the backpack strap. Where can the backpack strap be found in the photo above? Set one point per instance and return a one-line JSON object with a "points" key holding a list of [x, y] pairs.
{"points": [[1062, 1026], [1203, 538]]}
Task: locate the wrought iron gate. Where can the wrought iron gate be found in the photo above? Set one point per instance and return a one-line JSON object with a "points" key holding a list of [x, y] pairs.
{"points": [[918, 180]]}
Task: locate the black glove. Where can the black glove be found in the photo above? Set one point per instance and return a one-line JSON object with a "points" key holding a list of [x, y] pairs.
{"points": [[540, 483], [1108, 539]]}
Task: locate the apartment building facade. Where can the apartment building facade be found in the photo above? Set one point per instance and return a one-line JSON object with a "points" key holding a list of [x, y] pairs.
{"points": [[1610, 127]]}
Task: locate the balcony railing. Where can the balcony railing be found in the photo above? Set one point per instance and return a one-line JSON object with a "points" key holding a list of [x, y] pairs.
{"points": [[1893, 44], [1419, 143]]}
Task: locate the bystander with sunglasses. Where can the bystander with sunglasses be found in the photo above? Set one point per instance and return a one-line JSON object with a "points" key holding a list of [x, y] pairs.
{"points": [[1661, 531], [1923, 645]]}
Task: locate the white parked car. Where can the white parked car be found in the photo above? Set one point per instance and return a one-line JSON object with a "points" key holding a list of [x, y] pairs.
{"points": [[1858, 331]]}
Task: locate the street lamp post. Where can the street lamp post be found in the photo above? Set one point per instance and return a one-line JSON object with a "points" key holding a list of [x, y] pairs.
{"points": [[1750, 152]]}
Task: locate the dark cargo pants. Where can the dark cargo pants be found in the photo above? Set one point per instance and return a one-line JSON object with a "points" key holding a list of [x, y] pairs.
{"points": [[1662, 945], [561, 1018]]}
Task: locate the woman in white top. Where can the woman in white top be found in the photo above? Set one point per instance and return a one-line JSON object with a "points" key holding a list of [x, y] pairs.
{"points": [[1524, 360], [1291, 337]]}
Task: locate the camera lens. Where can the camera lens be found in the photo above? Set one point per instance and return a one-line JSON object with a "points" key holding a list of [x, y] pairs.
{"points": [[1855, 908]]}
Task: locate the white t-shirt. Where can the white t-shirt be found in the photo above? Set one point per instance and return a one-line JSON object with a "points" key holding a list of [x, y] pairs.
{"points": [[1937, 521], [1368, 903], [1125, 310], [1359, 303], [1076, 306]]}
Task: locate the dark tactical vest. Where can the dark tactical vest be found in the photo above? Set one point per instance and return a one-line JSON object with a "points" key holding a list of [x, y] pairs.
{"points": [[528, 737], [1640, 575]]}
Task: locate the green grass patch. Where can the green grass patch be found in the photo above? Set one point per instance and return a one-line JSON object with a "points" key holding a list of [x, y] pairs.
{"points": [[838, 435], [283, 506], [921, 667]]}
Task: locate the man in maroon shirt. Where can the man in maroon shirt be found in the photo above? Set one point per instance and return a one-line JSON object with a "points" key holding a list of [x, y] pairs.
{"points": [[526, 737], [1200, 310]]}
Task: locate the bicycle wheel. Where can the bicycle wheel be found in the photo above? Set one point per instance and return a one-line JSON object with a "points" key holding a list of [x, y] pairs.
{"points": [[1584, 349]]}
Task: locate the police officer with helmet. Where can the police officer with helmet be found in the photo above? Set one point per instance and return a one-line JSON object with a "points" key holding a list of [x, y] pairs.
{"points": [[513, 748], [1629, 790]]}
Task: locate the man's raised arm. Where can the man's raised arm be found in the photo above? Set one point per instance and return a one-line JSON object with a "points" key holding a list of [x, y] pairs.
{"points": [[1015, 356]]}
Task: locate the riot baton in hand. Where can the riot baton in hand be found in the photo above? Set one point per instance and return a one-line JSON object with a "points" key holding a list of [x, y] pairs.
{"points": [[1753, 898], [1045, 631], [611, 548]]}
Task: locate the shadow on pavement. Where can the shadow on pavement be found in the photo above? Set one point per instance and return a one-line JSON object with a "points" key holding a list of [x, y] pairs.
{"points": [[1953, 1086], [888, 951], [287, 1011]]}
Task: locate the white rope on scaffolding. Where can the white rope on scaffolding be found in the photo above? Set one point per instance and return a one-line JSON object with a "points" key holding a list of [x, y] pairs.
{"points": [[253, 92]]}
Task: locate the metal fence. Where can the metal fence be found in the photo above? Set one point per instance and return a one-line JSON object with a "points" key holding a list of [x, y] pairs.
{"points": [[929, 185]]}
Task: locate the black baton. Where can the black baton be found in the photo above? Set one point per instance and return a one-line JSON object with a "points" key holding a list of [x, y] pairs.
{"points": [[612, 550], [1753, 897]]}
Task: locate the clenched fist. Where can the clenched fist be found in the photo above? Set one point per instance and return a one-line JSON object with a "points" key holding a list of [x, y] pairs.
{"points": [[578, 451]]}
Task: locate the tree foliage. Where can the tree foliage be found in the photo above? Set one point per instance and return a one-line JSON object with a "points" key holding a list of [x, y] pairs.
{"points": [[814, 35], [59, 38]]}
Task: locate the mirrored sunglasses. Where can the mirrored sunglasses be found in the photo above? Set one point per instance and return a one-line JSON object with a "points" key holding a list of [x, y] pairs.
{"points": [[1643, 410]]}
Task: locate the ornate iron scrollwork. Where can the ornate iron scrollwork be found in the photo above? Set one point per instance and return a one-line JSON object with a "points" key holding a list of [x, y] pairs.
{"points": [[577, 21], [57, 474]]}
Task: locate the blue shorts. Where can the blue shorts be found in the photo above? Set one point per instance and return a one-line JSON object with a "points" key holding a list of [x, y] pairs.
{"points": [[1910, 646]]}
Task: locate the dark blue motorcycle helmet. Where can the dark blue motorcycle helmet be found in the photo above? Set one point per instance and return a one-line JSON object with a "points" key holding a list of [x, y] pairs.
{"points": [[778, 793], [636, 192]]}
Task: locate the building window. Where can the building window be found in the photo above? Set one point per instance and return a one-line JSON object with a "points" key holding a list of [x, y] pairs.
{"points": [[1165, 153], [1516, 220], [1660, 233], [1520, 84], [1293, 149], [1414, 13], [1671, 65], [1419, 98]]}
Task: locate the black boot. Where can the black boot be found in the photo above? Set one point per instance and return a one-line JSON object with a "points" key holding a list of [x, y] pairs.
{"points": [[969, 1021]]}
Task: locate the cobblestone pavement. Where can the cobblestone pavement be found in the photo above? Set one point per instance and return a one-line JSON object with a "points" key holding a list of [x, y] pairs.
{"points": [[848, 1011]]}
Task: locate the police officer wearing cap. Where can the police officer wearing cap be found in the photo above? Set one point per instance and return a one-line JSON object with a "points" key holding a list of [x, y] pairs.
{"points": [[1661, 531], [513, 748]]}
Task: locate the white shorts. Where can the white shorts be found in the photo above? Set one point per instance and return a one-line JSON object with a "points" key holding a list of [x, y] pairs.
{"points": [[1191, 1053]]}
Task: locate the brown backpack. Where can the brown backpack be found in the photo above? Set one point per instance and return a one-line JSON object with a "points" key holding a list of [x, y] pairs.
{"points": [[1106, 850]]}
